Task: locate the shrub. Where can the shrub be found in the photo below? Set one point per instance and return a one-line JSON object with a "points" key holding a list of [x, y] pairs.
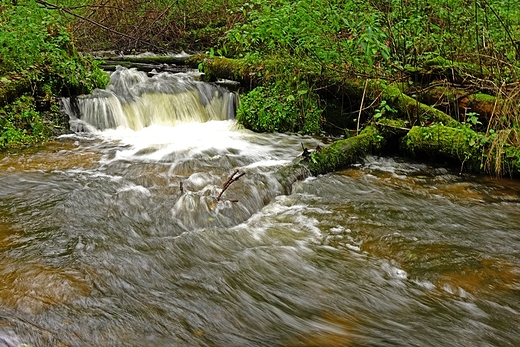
{"points": [[281, 107]]}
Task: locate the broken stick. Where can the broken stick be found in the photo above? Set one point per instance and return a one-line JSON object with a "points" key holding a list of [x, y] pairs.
{"points": [[230, 180]]}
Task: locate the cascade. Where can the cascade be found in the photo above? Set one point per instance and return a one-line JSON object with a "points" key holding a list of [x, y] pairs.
{"points": [[134, 100]]}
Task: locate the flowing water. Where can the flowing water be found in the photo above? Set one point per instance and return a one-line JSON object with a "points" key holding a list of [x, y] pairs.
{"points": [[117, 236]]}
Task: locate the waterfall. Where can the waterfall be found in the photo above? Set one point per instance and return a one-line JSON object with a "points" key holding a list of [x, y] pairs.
{"points": [[134, 100]]}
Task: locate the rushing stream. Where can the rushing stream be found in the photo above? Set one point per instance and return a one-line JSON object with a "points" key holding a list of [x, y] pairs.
{"points": [[116, 236]]}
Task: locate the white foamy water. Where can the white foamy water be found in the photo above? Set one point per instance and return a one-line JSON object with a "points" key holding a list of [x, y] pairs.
{"points": [[208, 140]]}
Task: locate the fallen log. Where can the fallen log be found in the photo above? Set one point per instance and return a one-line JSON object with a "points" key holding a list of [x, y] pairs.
{"points": [[343, 153], [459, 146], [417, 129], [461, 102], [213, 68]]}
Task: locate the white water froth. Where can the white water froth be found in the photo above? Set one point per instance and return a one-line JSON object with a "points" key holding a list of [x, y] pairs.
{"points": [[191, 140]]}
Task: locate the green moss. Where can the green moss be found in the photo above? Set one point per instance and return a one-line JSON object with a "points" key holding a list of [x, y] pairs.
{"points": [[407, 107], [346, 152], [413, 110], [11, 87], [485, 98], [449, 67], [392, 128], [441, 142]]}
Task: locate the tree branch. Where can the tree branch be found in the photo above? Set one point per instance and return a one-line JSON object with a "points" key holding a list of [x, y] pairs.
{"points": [[230, 180], [67, 10]]}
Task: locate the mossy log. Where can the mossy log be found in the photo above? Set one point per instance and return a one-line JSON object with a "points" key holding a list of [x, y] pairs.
{"points": [[213, 68], [461, 102], [343, 153], [460, 146], [408, 108], [439, 68], [495, 154]]}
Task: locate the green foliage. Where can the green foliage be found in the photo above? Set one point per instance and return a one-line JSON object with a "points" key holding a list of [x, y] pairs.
{"points": [[20, 124], [34, 41], [320, 32], [38, 56], [383, 109], [281, 107], [387, 35]]}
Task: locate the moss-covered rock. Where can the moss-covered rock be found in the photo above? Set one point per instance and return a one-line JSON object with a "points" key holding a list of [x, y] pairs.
{"points": [[13, 86]]}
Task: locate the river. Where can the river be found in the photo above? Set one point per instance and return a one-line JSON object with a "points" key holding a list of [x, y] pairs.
{"points": [[117, 236]]}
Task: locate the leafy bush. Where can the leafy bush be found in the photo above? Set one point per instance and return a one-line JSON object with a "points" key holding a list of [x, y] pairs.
{"points": [[387, 34], [20, 124], [282, 108], [321, 32], [34, 41], [38, 59]]}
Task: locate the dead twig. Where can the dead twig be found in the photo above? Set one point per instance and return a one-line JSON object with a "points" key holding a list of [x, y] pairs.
{"points": [[66, 10], [361, 107], [230, 180]]}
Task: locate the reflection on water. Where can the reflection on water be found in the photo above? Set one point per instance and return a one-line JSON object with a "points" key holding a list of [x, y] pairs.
{"points": [[31, 287]]}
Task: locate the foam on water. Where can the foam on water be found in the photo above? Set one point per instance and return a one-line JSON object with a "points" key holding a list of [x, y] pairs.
{"points": [[155, 142]]}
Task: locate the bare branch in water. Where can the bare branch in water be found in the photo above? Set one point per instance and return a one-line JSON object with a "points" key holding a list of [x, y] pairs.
{"points": [[230, 180]]}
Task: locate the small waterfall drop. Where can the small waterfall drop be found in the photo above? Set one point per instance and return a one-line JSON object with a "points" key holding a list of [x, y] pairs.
{"points": [[135, 101], [185, 129]]}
